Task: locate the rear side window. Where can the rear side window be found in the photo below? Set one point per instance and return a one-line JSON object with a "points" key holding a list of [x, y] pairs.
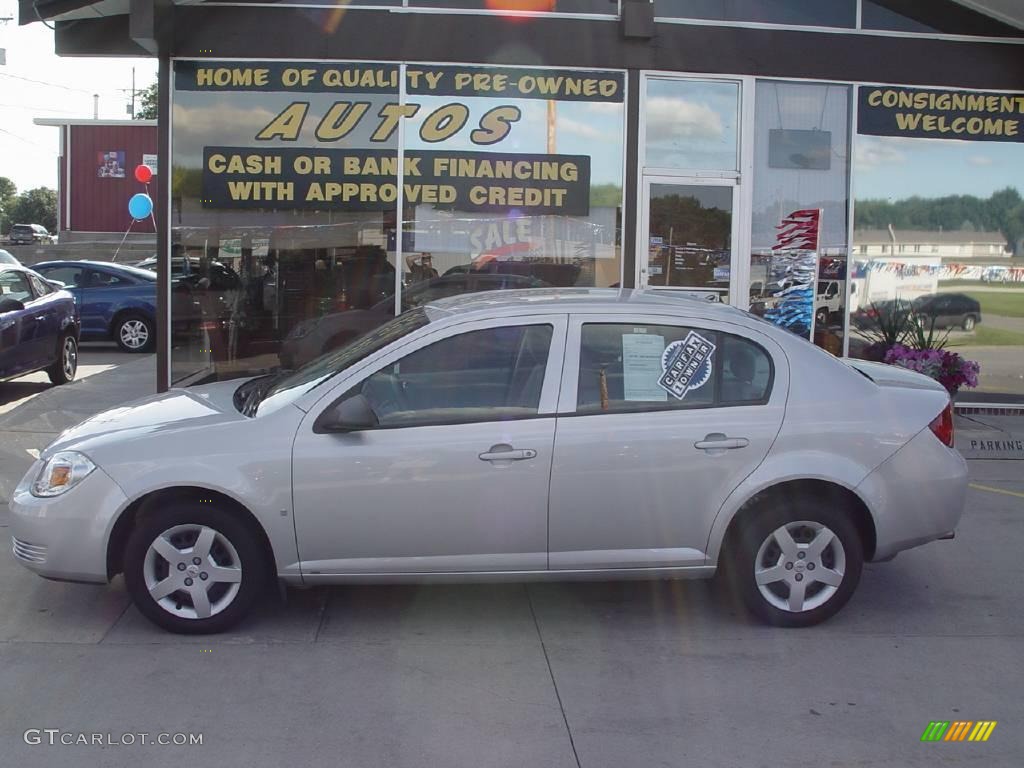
{"points": [[631, 367], [70, 276], [488, 375]]}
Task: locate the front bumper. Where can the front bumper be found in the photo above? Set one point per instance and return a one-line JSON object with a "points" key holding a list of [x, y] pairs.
{"points": [[65, 537]]}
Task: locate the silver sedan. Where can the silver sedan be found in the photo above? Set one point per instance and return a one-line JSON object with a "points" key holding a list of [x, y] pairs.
{"points": [[542, 434]]}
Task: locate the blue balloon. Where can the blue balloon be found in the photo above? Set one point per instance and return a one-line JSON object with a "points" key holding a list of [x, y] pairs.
{"points": [[140, 206]]}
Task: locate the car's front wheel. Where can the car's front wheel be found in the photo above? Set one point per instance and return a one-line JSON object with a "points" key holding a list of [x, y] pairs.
{"points": [[134, 333], [969, 323], [194, 569], [796, 562]]}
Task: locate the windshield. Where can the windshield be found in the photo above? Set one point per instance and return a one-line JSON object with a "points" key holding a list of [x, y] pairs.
{"points": [[298, 382]]}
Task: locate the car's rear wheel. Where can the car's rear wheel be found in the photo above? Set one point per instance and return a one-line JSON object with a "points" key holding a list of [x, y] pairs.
{"points": [[969, 322], [194, 569], [821, 318], [796, 562], [65, 366], [134, 333]]}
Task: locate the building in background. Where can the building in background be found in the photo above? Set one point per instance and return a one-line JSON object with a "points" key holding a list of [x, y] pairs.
{"points": [[96, 178], [729, 149]]}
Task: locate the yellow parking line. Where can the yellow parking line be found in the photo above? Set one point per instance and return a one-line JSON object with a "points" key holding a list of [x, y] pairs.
{"points": [[990, 489]]}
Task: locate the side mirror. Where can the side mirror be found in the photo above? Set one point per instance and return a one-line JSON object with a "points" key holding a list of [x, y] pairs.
{"points": [[350, 415], [10, 305]]}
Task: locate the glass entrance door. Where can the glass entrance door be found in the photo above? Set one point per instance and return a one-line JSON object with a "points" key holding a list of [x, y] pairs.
{"points": [[690, 234]]}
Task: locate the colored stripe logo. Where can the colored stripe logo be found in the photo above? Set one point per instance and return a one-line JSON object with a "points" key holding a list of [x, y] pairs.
{"points": [[958, 730]]}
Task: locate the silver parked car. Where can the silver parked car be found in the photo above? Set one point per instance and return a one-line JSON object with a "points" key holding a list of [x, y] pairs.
{"points": [[549, 433]]}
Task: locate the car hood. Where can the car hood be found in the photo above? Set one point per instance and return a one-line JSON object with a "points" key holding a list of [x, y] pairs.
{"points": [[176, 410]]}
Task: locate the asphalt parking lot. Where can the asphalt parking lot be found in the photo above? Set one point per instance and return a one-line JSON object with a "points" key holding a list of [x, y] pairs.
{"points": [[602, 675]]}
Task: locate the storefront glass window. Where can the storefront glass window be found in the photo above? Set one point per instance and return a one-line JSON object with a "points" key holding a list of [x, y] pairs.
{"points": [[812, 13], [944, 16], [285, 219], [799, 227], [939, 228], [610, 7], [691, 125]]}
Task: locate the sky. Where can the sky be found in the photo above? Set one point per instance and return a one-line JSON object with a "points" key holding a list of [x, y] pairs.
{"points": [[63, 89], [895, 168]]}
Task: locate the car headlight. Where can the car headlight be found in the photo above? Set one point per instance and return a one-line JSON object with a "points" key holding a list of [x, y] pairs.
{"points": [[61, 472]]}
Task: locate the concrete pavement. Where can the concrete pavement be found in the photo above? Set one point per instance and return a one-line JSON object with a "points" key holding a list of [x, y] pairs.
{"points": [[595, 675]]}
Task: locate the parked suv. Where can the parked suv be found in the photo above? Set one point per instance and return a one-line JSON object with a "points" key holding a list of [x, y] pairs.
{"points": [[29, 234], [949, 310]]}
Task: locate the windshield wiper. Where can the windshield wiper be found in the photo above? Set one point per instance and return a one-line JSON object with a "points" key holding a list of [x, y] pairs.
{"points": [[249, 396]]}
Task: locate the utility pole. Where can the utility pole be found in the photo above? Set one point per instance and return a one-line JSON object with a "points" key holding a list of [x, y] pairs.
{"points": [[130, 107], [3, 51]]}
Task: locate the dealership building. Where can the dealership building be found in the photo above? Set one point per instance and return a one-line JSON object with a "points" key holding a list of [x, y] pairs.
{"points": [[323, 157]]}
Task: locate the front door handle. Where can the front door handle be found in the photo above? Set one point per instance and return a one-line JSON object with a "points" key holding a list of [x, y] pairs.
{"points": [[507, 453], [719, 442]]}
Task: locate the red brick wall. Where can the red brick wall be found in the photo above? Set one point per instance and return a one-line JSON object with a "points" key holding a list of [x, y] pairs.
{"points": [[101, 204]]}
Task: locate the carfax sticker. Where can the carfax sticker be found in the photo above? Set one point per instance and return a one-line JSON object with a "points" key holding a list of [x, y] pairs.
{"points": [[686, 365]]}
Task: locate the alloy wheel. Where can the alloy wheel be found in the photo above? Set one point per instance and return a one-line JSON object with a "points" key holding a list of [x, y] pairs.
{"points": [[69, 358], [800, 566], [192, 571], [134, 334]]}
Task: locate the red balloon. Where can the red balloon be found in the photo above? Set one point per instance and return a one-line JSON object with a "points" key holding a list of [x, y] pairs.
{"points": [[143, 174]]}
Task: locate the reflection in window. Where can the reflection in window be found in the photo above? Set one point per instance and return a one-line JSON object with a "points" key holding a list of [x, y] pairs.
{"points": [[929, 213], [801, 157], [609, 7], [945, 16], [691, 124], [811, 13]]}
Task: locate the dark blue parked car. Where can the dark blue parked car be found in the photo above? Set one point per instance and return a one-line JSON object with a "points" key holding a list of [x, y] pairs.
{"points": [[115, 301], [38, 326]]}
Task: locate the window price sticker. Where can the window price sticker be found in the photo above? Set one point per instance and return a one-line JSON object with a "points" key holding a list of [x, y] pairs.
{"points": [[686, 365]]}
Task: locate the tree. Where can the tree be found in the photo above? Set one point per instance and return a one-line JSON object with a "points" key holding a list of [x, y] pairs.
{"points": [[36, 206], [149, 99], [8, 193]]}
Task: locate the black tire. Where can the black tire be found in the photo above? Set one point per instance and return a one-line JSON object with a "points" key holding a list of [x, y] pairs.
{"points": [[969, 322], [65, 366], [239, 535], [756, 529], [134, 332], [821, 318]]}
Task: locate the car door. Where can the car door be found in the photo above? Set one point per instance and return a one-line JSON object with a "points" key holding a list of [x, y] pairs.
{"points": [[46, 311], [20, 349], [455, 477], [639, 472]]}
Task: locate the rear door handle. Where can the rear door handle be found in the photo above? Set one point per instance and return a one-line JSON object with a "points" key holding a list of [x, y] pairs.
{"points": [[719, 442], [507, 454]]}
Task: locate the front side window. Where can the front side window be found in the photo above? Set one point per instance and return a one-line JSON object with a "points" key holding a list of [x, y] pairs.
{"points": [[99, 279], [630, 367], [14, 285], [492, 374]]}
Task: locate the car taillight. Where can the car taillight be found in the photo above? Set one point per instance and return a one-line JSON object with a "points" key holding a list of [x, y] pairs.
{"points": [[942, 426]]}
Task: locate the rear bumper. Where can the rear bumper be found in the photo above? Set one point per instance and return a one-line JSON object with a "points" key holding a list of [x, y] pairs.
{"points": [[916, 496]]}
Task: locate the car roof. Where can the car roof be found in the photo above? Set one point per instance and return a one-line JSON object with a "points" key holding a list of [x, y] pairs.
{"points": [[581, 300], [82, 263]]}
